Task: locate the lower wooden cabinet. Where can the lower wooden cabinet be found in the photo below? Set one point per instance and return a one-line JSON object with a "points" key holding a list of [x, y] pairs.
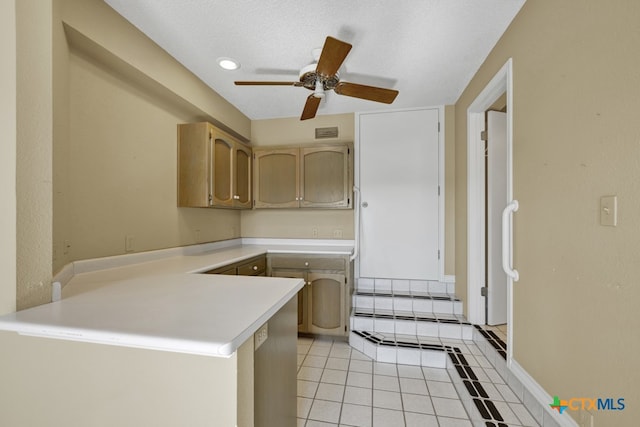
{"points": [[256, 266], [323, 303]]}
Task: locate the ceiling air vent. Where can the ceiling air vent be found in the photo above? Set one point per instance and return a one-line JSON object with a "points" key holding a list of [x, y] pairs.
{"points": [[324, 133]]}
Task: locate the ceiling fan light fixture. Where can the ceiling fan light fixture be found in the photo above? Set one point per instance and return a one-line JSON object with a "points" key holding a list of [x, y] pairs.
{"points": [[319, 90], [228, 63]]}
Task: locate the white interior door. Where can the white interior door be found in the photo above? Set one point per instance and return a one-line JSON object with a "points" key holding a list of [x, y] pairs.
{"points": [[496, 202], [399, 170]]}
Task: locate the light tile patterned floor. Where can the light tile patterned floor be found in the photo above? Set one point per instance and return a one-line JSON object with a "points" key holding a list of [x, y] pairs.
{"points": [[339, 386]]}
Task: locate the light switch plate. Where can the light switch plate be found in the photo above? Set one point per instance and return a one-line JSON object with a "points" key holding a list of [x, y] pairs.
{"points": [[609, 211]]}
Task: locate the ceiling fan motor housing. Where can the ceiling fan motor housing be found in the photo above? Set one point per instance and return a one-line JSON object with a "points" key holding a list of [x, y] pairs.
{"points": [[309, 77]]}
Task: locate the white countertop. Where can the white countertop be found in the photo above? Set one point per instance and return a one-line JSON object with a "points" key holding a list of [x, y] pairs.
{"points": [[163, 303]]}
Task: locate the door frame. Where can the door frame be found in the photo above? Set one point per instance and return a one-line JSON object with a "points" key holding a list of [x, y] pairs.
{"points": [[501, 83], [441, 183]]}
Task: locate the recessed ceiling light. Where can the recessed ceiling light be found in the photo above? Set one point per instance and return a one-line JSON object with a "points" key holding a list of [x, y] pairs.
{"points": [[228, 63]]}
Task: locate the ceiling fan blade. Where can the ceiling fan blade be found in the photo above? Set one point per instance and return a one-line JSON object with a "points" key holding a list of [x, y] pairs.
{"points": [[310, 107], [370, 93], [333, 55], [248, 83]]}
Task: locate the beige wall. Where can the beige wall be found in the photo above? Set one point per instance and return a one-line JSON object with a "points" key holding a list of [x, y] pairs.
{"points": [[118, 99], [576, 98], [8, 157], [34, 151], [95, 152], [298, 223]]}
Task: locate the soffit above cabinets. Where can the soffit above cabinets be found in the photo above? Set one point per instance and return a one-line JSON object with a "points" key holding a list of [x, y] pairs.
{"points": [[428, 50]]}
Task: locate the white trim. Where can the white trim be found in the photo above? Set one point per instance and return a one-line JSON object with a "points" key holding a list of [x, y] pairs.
{"points": [[441, 177], [297, 242], [88, 265], [540, 395], [475, 220], [502, 82]]}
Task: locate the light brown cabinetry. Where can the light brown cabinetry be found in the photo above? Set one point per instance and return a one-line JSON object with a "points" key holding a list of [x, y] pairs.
{"points": [[214, 168], [323, 303], [256, 266], [303, 177]]}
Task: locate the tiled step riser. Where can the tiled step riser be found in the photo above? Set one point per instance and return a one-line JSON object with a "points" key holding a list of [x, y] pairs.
{"points": [[404, 356], [417, 305], [389, 285], [412, 327]]}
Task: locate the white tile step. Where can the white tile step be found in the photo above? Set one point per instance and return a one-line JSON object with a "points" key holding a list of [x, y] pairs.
{"points": [[423, 302], [400, 285], [447, 326], [402, 349]]}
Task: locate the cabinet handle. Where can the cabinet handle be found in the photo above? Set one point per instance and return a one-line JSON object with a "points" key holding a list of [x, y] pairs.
{"points": [[306, 263], [255, 268]]}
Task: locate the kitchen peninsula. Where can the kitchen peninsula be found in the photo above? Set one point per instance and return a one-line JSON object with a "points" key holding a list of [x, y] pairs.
{"points": [[182, 348]]}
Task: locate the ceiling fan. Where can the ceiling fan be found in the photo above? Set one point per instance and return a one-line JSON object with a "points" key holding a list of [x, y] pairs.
{"points": [[323, 75]]}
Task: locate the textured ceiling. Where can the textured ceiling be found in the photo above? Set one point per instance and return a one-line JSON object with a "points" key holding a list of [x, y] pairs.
{"points": [[427, 49]]}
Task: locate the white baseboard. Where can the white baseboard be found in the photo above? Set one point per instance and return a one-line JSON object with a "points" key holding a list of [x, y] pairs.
{"points": [[541, 396]]}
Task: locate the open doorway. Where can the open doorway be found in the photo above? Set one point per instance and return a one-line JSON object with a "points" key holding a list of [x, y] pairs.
{"points": [[488, 241], [495, 163]]}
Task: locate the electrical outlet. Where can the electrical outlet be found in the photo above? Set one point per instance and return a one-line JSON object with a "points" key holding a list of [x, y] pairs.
{"points": [[337, 233], [128, 243], [314, 231], [261, 336]]}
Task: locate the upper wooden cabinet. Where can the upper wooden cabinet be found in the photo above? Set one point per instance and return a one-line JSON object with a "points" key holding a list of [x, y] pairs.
{"points": [[276, 183], [303, 177], [214, 168]]}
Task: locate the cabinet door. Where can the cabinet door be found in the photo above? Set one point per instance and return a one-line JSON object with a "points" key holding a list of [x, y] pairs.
{"points": [[303, 296], [276, 178], [254, 267], [222, 170], [194, 165], [327, 303], [325, 177], [242, 177]]}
